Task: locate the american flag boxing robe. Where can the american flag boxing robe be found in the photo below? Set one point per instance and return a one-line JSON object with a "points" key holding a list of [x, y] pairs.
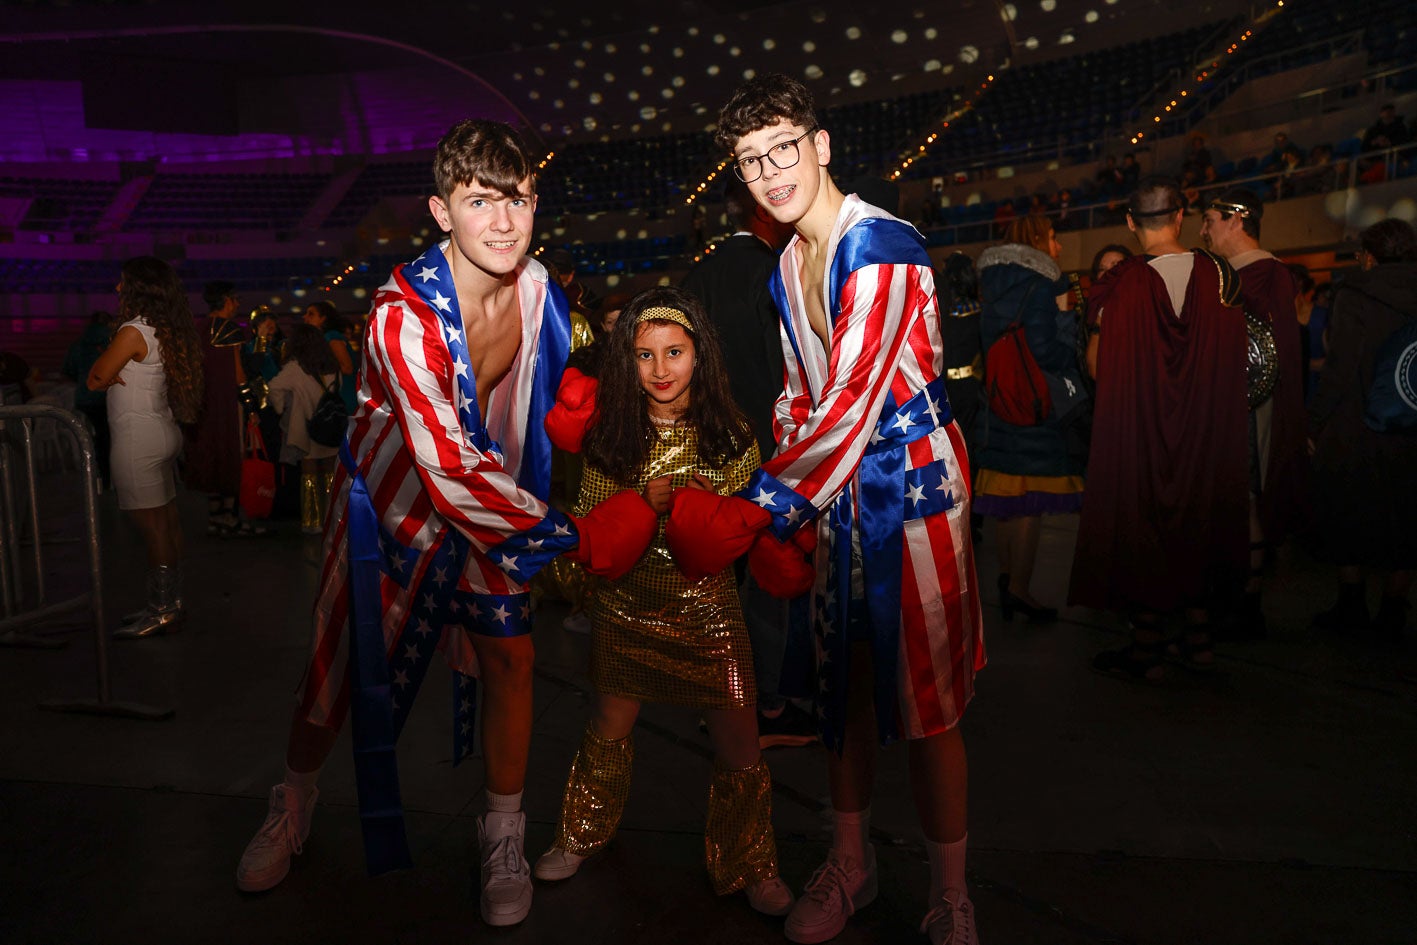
{"points": [[866, 435], [438, 520]]}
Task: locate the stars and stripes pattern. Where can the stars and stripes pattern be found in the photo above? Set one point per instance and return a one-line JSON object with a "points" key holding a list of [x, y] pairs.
{"points": [[787, 507], [413, 650], [434, 469], [878, 390]]}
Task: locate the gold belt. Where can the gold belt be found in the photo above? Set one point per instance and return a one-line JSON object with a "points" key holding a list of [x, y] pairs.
{"points": [[960, 373]]}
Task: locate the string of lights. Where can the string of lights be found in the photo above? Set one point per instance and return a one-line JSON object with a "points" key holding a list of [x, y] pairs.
{"points": [[955, 115], [1179, 95], [704, 184]]}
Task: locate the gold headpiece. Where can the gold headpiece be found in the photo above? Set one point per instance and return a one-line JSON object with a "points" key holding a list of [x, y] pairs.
{"points": [[1228, 207], [663, 313]]}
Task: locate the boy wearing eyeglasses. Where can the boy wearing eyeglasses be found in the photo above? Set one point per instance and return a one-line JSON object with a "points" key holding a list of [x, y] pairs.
{"points": [[871, 474]]}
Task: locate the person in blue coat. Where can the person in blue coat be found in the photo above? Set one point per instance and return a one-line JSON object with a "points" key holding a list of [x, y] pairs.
{"points": [[1026, 472]]}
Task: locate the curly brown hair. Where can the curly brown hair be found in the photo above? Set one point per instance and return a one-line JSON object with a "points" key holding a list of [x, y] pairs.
{"points": [[619, 442], [151, 290], [761, 102]]}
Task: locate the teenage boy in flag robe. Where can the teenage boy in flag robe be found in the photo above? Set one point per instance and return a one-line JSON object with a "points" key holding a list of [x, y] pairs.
{"points": [[440, 519], [870, 462]]}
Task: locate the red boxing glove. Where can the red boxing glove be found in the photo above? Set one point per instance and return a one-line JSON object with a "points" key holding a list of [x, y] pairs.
{"points": [[783, 569], [574, 411], [614, 535], [707, 532], [806, 539]]}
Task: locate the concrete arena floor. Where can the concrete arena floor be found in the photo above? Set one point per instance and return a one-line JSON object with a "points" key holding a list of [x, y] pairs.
{"points": [[1271, 803]]}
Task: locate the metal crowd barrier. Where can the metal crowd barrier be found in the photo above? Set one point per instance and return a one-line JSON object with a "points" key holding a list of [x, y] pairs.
{"points": [[20, 421]]}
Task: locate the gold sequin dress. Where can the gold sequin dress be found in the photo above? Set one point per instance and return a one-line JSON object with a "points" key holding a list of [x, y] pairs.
{"points": [[655, 636]]}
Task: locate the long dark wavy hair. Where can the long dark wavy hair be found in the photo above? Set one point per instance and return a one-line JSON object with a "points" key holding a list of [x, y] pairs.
{"points": [[308, 348], [151, 290], [619, 441]]}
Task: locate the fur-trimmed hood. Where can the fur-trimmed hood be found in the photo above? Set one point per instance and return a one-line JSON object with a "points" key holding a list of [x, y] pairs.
{"points": [[1017, 254]]}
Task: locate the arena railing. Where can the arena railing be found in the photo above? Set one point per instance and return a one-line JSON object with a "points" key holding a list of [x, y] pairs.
{"points": [[1379, 86], [1181, 121], [18, 481]]}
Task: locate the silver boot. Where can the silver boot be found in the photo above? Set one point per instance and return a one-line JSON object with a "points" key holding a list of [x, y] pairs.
{"points": [[164, 611]]}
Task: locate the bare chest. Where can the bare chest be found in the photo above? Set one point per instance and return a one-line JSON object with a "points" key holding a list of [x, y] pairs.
{"points": [[810, 272], [493, 340]]}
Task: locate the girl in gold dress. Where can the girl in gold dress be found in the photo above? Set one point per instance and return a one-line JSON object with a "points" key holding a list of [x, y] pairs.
{"points": [[665, 419]]}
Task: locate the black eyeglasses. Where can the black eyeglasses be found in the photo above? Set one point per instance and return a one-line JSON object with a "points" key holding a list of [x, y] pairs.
{"points": [[781, 156]]}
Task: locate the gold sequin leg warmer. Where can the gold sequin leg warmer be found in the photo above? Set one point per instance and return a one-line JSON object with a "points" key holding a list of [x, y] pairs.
{"points": [[596, 790], [739, 845], [312, 506]]}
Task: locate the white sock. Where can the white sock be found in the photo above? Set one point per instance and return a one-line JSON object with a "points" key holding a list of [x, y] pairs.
{"points": [[304, 780], [504, 817], [947, 867], [851, 831], [504, 803]]}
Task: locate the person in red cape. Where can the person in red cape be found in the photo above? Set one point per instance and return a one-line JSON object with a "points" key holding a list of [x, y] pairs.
{"points": [[1163, 519], [1278, 465], [213, 443], [439, 519]]}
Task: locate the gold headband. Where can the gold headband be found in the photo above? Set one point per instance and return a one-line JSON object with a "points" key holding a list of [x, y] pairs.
{"points": [[663, 313]]}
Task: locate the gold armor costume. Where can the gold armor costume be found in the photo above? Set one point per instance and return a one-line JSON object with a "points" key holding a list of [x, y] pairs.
{"points": [[657, 638]]}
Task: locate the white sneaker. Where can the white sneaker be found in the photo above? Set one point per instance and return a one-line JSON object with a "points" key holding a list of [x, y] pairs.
{"points": [[770, 897], [557, 864], [266, 860], [835, 891], [506, 876], [950, 921]]}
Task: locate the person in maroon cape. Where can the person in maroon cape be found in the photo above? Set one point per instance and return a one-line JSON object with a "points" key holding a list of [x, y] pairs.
{"points": [[1163, 518], [1278, 465], [213, 447]]}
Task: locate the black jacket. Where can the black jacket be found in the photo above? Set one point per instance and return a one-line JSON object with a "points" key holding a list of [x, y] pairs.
{"points": [[732, 282]]}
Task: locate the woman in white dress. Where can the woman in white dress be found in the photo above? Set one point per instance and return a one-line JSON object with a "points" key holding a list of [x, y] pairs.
{"points": [[152, 370]]}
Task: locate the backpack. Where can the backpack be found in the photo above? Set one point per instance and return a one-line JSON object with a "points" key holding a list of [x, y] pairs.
{"points": [[1391, 404], [329, 421], [1016, 388]]}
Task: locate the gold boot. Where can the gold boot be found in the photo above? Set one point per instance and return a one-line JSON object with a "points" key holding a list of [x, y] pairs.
{"points": [[739, 847], [595, 796], [312, 510]]}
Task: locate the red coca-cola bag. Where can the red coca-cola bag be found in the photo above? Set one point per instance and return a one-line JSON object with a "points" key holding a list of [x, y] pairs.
{"points": [[258, 475]]}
